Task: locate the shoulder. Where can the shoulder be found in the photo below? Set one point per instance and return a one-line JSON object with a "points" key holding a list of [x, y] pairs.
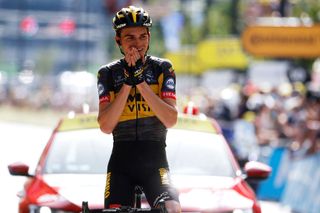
{"points": [[163, 65], [110, 66], [107, 68], [160, 61]]}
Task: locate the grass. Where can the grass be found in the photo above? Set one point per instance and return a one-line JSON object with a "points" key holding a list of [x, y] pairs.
{"points": [[43, 117]]}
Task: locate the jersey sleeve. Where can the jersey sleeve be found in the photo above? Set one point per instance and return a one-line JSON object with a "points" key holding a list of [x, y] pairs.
{"points": [[168, 88], [104, 84]]}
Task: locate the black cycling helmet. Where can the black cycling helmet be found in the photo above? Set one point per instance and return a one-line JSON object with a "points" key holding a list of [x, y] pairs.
{"points": [[131, 17]]}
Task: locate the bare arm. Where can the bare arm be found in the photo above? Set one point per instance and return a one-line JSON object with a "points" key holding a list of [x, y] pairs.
{"points": [[109, 113], [165, 109]]}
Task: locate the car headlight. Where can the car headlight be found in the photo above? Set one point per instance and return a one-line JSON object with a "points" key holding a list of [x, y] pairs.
{"points": [[242, 211]]}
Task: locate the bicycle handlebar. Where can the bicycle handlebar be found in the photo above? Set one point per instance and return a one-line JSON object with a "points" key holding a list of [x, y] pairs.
{"points": [[123, 209], [132, 210]]}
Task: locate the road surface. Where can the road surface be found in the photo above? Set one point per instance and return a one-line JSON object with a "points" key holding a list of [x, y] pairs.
{"points": [[18, 142]]}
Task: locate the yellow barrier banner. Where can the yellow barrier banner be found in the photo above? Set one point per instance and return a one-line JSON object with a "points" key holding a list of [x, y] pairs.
{"points": [[185, 61], [214, 53], [282, 41], [222, 53]]}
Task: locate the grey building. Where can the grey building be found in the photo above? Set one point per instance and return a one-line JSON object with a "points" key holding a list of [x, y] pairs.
{"points": [[52, 36]]}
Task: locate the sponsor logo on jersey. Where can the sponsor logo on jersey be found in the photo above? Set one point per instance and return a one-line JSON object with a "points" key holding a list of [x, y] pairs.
{"points": [[107, 189], [100, 89], [168, 95], [170, 83], [104, 99], [118, 81], [137, 102], [164, 176]]}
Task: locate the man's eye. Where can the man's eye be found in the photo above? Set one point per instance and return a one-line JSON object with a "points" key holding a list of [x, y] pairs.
{"points": [[128, 38]]}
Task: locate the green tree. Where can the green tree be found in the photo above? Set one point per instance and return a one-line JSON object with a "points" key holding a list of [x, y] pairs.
{"points": [[309, 8]]}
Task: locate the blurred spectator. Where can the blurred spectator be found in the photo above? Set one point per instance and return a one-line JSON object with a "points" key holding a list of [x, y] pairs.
{"points": [[266, 126]]}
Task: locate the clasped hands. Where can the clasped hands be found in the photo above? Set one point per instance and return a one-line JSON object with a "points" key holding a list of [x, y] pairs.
{"points": [[133, 72]]}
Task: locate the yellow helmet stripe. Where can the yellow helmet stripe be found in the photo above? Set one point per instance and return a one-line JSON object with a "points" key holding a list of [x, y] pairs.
{"points": [[134, 16]]}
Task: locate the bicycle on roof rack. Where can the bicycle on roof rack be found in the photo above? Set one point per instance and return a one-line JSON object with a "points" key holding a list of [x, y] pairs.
{"points": [[127, 209]]}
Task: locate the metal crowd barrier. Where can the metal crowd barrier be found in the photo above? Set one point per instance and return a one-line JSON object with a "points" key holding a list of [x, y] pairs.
{"points": [[302, 192], [294, 182]]}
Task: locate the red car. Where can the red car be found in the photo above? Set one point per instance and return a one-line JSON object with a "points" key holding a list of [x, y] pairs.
{"points": [[72, 169]]}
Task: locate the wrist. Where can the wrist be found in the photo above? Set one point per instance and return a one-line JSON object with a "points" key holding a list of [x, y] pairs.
{"points": [[141, 84], [127, 86]]}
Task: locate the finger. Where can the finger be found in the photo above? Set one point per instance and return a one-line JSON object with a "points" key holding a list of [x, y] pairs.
{"points": [[134, 63], [129, 59], [141, 55], [132, 56], [132, 59], [136, 53], [128, 56]]}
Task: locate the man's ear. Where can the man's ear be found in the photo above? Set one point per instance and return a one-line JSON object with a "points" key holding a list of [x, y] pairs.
{"points": [[118, 40], [149, 34]]}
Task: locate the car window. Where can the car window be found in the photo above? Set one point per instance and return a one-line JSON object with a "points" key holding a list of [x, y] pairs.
{"points": [[198, 153], [85, 151], [189, 153]]}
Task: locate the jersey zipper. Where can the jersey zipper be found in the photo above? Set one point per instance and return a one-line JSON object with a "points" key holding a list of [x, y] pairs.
{"points": [[135, 100]]}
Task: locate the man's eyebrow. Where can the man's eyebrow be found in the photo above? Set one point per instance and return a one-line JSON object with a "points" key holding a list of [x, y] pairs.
{"points": [[128, 35], [132, 35]]}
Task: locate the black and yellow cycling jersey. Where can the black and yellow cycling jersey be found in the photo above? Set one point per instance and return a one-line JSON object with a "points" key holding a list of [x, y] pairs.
{"points": [[138, 121]]}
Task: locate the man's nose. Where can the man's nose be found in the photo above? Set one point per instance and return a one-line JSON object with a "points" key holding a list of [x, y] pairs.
{"points": [[136, 41]]}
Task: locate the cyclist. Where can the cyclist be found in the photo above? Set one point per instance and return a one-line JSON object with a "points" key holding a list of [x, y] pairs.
{"points": [[137, 103]]}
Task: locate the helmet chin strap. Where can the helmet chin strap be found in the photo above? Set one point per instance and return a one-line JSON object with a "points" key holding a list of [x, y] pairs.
{"points": [[121, 50], [147, 50]]}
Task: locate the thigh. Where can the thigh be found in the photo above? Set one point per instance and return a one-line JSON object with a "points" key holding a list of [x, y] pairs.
{"points": [[157, 187], [119, 190]]}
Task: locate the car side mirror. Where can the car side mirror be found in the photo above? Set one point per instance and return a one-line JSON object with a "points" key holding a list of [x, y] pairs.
{"points": [[19, 169], [256, 170]]}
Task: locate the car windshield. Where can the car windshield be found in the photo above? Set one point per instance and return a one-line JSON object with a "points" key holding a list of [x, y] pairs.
{"points": [[198, 153], [88, 151], [79, 152]]}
